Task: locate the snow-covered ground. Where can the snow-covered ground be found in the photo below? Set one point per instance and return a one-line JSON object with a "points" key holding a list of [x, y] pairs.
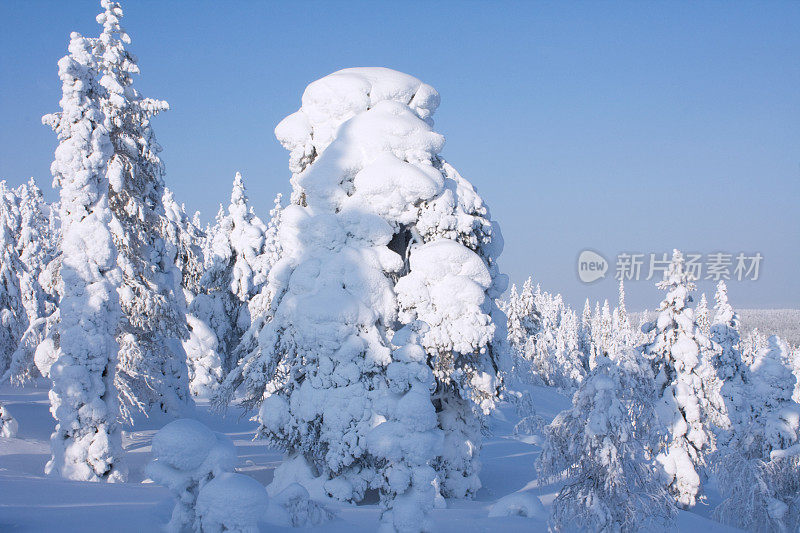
{"points": [[31, 501]]}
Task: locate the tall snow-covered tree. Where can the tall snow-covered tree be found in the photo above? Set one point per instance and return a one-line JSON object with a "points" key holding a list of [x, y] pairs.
{"points": [[601, 444], [152, 363], [759, 470], [680, 375], [382, 237], [86, 444]]}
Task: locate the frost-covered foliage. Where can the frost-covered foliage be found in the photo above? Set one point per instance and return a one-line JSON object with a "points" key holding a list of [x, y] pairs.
{"points": [[688, 398], [8, 426], [759, 470], [600, 444], [36, 245], [382, 236], [231, 503], [152, 363], [186, 457], [86, 444]]}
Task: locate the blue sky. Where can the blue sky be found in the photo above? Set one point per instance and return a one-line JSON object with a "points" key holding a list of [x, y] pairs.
{"points": [[625, 126]]}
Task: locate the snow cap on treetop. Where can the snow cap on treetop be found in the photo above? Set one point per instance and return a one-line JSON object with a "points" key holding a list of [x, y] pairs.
{"points": [[334, 99]]}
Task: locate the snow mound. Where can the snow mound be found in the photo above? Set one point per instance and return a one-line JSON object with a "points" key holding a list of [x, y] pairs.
{"points": [[231, 502], [518, 504], [187, 456], [183, 444]]}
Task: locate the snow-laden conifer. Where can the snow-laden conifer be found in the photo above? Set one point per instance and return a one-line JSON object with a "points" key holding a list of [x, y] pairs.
{"points": [[37, 243], [13, 318], [233, 274], [381, 235], [86, 444], [680, 375], [152, 363]]}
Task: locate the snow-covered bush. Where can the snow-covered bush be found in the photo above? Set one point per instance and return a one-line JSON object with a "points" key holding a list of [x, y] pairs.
{"points": [[381, 234], [8, 426], [600, 444], [688, 404], [232, 503], [187, 456]]}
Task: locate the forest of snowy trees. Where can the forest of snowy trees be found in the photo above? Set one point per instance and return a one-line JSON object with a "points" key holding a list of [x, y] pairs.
{"points": [[366, 326]]}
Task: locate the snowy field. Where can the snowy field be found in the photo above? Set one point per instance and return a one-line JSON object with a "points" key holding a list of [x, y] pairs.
{"points": [[31, 501]]}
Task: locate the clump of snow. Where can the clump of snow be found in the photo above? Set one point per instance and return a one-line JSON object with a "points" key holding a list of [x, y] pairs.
{"points": [[518, 504], [231, 502], [186, 456]]}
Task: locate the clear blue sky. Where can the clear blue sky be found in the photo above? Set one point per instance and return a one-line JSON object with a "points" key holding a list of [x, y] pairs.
{"points": [[634, 126]]}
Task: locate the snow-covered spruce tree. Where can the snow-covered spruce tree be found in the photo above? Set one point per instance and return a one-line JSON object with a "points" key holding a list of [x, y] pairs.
{"points": [[152, 363], [622, 335], [759, 470], [86, 444], [233, 274], [553, 352], [680, 376], [601, 444], [731, 370], [523, 318], [185, 243], [751, 345], [13, 319], [702, 316], [376, 213], [37, 245]]}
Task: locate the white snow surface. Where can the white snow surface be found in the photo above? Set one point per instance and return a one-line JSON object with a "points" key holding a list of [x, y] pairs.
{"points": [[32, 502]]}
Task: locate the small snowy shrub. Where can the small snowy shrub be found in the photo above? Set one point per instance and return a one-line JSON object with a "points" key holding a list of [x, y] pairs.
{"points": [[186, 456], [8, 426], [299, 509], [231, 502]]}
